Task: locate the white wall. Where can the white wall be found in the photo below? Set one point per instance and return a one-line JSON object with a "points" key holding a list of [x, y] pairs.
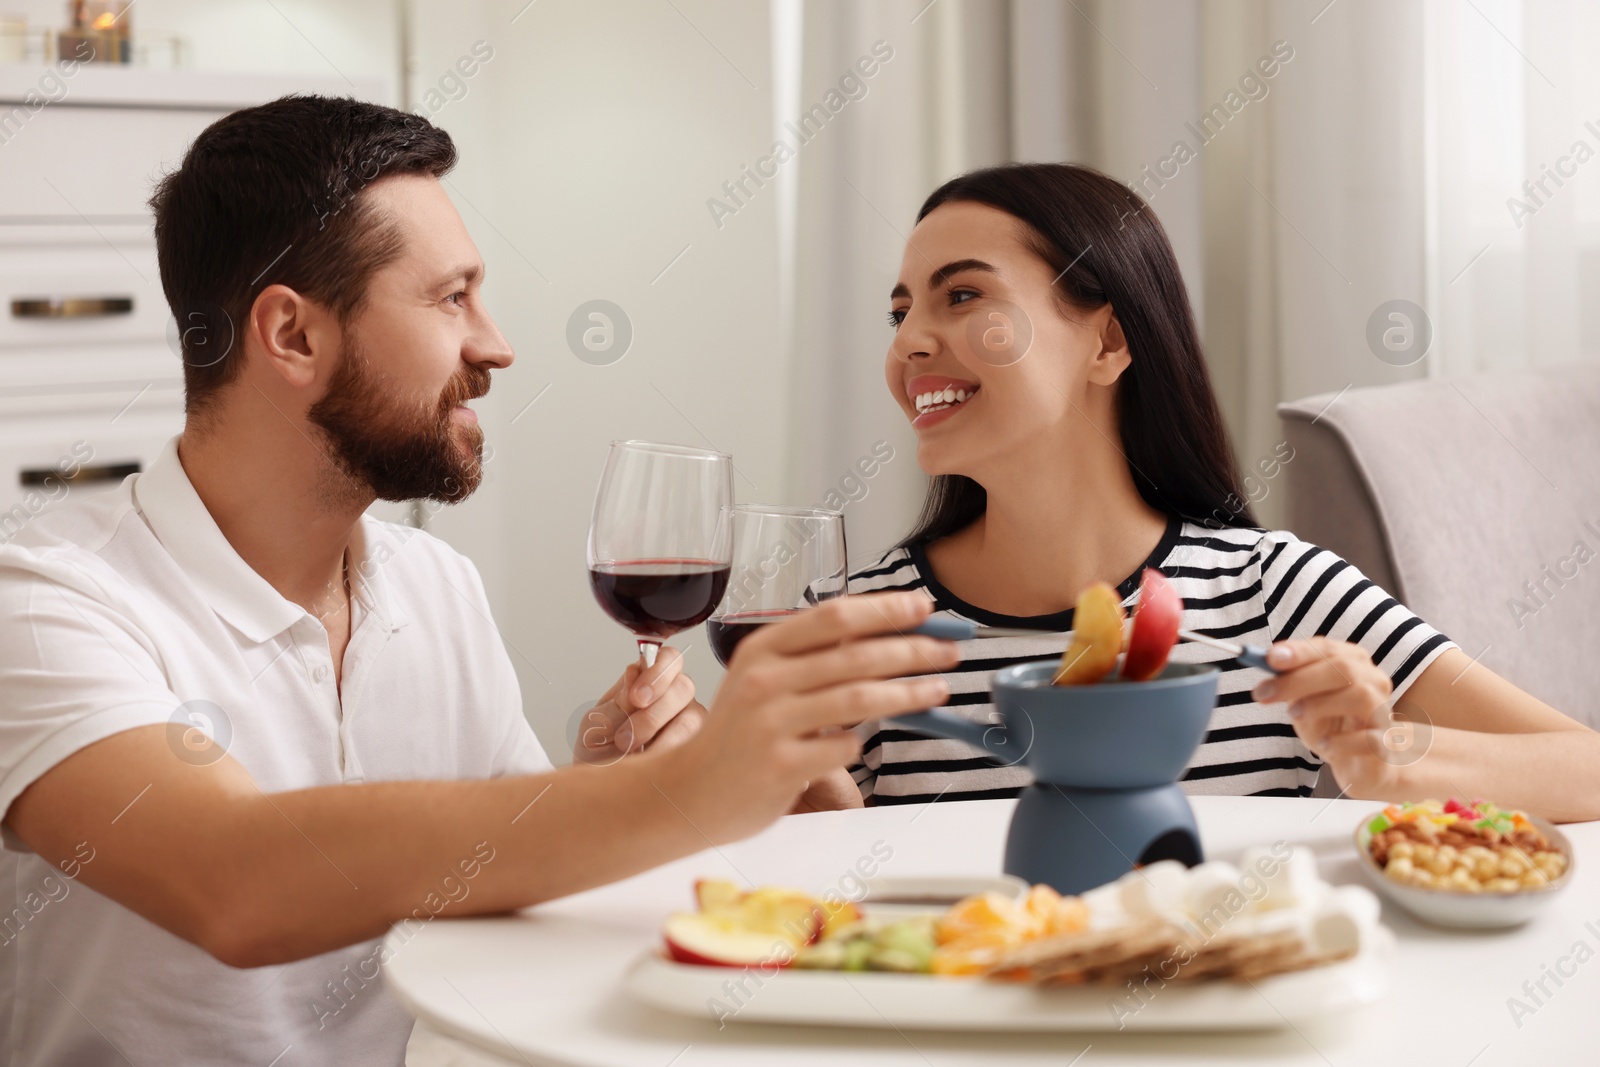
{"points": [[590, 143]]}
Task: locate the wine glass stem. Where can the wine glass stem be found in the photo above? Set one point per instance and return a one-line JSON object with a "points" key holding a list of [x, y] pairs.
{"points": [[647, 652]]}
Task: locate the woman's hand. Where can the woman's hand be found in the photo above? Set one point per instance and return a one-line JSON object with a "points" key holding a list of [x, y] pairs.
{"points": [[652, 706], [1461, 730], [1339, 705]]}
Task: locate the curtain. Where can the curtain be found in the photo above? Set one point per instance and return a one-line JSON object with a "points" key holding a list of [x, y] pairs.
{"points": [[1337, 158], [1517, 98]]}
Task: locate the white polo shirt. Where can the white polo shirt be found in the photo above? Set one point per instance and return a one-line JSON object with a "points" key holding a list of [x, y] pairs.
{"points": [[129, 608]]}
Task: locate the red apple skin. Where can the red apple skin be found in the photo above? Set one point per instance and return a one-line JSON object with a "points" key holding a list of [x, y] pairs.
{"points": [[760, 953], [683, 955], [1155, 627]]}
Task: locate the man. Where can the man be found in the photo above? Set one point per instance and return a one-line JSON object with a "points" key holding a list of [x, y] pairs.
{"points": [[244, 729]]}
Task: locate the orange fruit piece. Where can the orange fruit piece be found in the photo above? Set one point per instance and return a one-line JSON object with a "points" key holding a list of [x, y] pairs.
{"points": [[983, 915], [965, 959], [1054, 913]]}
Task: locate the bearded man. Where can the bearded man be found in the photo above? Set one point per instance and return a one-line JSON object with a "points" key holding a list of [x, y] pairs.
{"points": [[245, 727]]}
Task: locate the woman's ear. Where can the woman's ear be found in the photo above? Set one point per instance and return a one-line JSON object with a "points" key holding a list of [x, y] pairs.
{"points": [[1113, 357]]}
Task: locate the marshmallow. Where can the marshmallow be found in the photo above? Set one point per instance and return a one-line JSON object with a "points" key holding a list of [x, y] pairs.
{"points": [[1288, 881], [1344, 917], [1105, 906], [1297, 919], [1155, 892], [1212, 895]]}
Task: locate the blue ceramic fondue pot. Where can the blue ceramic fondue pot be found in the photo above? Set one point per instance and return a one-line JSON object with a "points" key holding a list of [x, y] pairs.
{"points": [[1106, 759]]}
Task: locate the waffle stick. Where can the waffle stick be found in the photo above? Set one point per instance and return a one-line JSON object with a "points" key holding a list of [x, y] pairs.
{"points": [[1116, 954], [1240, 956], [1071, 957]]}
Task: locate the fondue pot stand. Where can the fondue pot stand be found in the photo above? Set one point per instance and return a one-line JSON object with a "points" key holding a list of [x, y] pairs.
{"points": [[1106, 759]]}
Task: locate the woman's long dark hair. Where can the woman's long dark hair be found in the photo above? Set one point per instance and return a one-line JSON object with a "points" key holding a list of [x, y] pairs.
{"points": [[1106, 246]]}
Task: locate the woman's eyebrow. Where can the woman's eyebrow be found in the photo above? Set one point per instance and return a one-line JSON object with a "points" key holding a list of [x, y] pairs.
{"points": [[940, 276]]}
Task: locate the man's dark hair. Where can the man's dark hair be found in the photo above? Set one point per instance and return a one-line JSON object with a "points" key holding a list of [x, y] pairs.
{"points": [[273, 195]]}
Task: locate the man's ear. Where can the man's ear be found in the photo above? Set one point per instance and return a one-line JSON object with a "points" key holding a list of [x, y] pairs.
{"points": [[1113, 357], [296, 336]]}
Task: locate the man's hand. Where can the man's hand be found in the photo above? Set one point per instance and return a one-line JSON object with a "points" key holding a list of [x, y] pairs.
{"points": [[1339, 705], [834, 791], [647, 706], [782, 715]]}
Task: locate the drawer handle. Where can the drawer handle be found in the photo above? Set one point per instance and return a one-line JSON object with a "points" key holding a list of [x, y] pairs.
{"points": [[106, 472], [71, 307]]}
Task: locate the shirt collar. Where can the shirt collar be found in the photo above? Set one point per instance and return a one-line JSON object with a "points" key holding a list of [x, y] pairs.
{"points": [[372, 546], [245, 600]]}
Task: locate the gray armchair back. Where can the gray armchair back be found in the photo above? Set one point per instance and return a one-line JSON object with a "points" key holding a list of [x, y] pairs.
{"points": [[1475, 501]]}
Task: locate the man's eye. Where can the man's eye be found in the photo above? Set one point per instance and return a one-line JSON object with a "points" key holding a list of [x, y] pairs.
{"points": [[457, 298]]}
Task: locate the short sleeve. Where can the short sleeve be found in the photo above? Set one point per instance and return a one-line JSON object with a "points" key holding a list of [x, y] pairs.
{"points": [[1311, 592], [73, 671], [518, 750], [864, 772]]}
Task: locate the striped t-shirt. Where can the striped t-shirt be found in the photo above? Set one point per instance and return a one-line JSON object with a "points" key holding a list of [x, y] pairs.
{"points": [[1247, 586]]}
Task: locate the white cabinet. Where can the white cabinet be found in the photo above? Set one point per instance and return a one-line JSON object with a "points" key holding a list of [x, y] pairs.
{"points": [[89, 380], [70, 160]]}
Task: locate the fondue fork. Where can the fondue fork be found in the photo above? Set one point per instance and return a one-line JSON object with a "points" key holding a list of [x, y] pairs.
{"points": [[948, 629]]}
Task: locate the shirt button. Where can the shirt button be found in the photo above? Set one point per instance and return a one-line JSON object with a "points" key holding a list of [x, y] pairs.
{"points": [[320, 674]]}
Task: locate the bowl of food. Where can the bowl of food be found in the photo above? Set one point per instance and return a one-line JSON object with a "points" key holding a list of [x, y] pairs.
{"points": [[1472, 866]]}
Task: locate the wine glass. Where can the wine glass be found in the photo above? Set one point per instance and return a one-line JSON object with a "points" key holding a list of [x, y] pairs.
{"points": [[784, 561], [659, 547]]}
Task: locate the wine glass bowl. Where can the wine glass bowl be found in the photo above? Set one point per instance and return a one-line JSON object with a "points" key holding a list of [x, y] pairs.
{"points": [[659, 539], [785, 559]]}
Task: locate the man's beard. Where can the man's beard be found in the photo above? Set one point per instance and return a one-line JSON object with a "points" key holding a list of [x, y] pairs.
{"points": [[400, 450]]}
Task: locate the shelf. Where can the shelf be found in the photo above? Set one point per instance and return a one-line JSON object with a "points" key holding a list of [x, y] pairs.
{"points": [[106, 85]]}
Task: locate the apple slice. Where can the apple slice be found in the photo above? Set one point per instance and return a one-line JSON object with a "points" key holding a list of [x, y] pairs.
{"points": [[715, 894], [837, 916], [1096, 637], [1155, 627], [722, 941], [786, 912]]}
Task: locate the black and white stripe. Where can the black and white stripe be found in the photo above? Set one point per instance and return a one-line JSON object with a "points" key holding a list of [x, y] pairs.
{"points": [[1245, 585]]}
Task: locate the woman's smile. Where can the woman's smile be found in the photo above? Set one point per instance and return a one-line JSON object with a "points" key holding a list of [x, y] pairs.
{"points": [[937, 397]]}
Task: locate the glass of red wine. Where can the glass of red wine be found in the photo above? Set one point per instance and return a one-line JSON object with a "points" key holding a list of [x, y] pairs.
{"points": [[784, 561], [659, 540]]}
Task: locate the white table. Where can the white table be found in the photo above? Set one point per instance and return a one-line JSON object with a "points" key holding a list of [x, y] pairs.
{"points": [[542, 987]]}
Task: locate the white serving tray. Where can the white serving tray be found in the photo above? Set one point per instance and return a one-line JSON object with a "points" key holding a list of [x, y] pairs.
{"points": [[923, 1002]]}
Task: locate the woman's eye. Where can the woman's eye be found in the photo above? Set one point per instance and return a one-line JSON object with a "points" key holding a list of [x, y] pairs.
{"points": [[896, 317], [956, 294]]}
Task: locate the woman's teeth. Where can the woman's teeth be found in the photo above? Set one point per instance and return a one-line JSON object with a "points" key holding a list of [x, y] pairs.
{"points": [[948, 397]]}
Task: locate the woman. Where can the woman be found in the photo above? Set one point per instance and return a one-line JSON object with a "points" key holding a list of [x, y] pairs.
{"points": [[1046, 354]]}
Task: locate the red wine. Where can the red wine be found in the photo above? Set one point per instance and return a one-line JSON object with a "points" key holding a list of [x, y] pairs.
{"points": [[727, 631], [659, 597]]}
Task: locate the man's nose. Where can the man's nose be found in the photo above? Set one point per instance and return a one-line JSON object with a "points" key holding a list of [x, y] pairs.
{"points": [[487, 346]]}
